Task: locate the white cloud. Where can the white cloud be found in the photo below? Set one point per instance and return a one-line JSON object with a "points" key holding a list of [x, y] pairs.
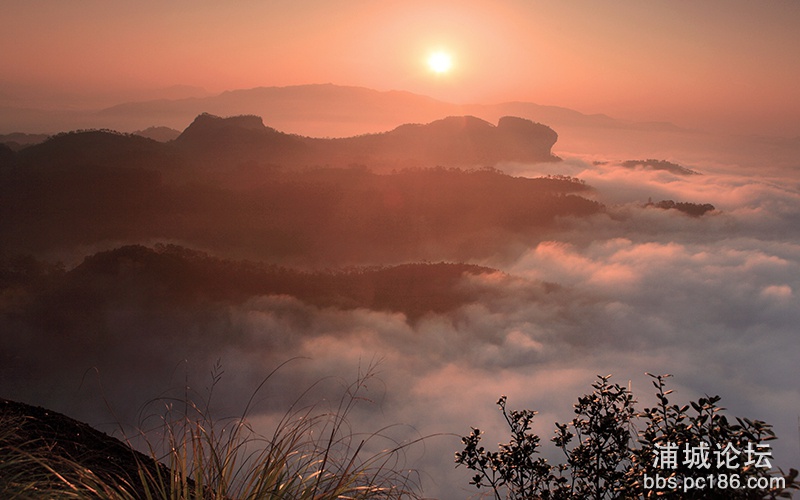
{"points": [[711, 300]]}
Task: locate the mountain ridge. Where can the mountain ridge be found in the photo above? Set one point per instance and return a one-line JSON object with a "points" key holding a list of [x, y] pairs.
{"points": [[232, 143], [315, 110], [317, 216]]}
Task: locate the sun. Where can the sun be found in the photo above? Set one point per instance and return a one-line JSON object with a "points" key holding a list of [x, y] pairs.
{"points": [[440, 62]]}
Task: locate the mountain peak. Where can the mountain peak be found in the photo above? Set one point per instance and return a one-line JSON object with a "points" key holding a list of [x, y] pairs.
{"points": [[243, 122], [211, 127], [465, 140]]}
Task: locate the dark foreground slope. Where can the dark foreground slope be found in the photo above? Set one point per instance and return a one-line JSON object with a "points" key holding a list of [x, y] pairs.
{"points": [[37, 445]]}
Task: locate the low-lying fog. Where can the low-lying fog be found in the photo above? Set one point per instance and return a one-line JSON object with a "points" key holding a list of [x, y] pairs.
{"points": [[712, 300]]}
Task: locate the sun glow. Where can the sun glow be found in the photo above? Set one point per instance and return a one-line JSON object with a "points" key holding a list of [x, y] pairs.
{"points": [[440, 62]]}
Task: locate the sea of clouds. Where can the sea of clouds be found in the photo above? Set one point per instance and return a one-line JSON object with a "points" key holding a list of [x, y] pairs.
{"points": [[712, 300]]}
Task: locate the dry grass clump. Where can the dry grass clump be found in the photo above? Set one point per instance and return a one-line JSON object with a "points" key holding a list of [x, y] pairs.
{"points": [[311, 454]]}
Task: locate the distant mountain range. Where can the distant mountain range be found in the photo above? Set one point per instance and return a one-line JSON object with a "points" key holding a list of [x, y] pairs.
{"points": [[243, 145], [453, 141], [323, 110], [235, 184]]}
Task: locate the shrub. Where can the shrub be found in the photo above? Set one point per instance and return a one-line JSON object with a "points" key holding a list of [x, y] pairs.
{"points": [[678, 450]]}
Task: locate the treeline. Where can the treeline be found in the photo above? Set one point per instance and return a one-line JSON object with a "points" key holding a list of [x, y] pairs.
{"points": [[316, 216], [171, 277]]}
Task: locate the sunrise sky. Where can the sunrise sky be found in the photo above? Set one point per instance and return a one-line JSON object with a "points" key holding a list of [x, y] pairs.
{"points": [[727, 64]]}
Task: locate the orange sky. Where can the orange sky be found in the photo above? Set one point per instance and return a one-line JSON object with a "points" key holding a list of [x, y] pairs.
{"points": [[732, 64]]}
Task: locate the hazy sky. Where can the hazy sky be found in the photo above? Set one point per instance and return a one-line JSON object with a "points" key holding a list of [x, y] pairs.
{"points": [[731, 63]]}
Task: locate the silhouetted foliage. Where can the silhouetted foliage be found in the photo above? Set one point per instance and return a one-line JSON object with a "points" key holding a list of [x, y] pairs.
{"points": [[597, 462], [514, 467], [606, 457]]}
